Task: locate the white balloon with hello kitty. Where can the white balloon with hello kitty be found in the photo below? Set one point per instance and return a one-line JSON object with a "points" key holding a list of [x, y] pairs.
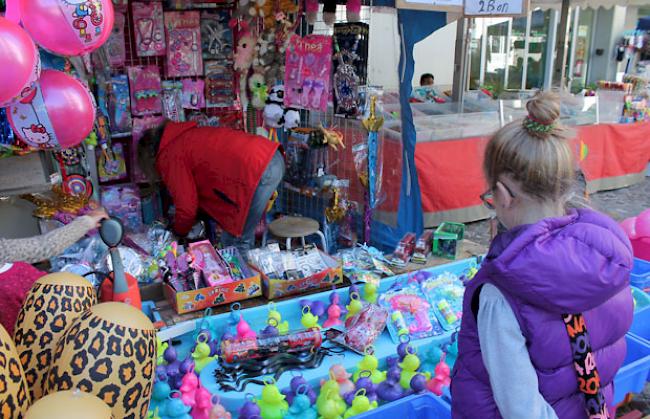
{"points": [[58, 113]]}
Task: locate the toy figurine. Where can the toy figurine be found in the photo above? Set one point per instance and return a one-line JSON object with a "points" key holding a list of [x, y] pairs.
{"points": [[330, 392], [250, 409], [202, 405], [410, 366], [333, 316], [244, 331], [160, 395], [174, 375], [308, 319], [418, 383], [187, 365], [342, 377], [360, 404], [271, 330], [404, 348], [218, 411], [364, 382], [272, 404], [162, 347], [301, 406], [370, 292], [201, 355], [189, 386], [317, 308], [370, 363], [390, 390], [440, 379], [283, 327], [355, 305], [170, 354], [298, 382], [175, 408]]}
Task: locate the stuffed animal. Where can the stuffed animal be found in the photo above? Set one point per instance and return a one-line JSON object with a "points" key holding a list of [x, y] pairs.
{"points": [[275, 114], [257, 87], [352, 11]]}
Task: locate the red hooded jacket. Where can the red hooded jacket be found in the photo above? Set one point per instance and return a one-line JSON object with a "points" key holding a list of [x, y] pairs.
{"points": [[214, 169]]}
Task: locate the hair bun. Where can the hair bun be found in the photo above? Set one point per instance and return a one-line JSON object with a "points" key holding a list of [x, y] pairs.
{"points": [[544, 108]]}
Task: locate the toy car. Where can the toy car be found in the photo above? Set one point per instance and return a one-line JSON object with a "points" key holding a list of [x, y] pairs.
{"points": [[405, 248], [423, 247]]}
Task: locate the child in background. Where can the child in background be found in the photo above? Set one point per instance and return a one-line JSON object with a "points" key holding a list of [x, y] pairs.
{"points": [[17, 275], [517, 344]]}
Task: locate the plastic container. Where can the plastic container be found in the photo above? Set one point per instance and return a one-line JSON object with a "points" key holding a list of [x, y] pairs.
{"points": [[447, 240], [641, 299], [425, 406], [640, 275], [631, 378]]}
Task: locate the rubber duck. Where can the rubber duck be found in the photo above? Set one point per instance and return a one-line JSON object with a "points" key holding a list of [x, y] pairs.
{"points": [[364, 382], [283, 327], [203, 404], [370, 363], [370, 292], [162, 347], [271, 330], [440, 379], [272, 404], [360, 404], [355, 305], [316, 307], [218, 411], [160, 395], [169, 354], [410, 366], [189, 386], [153, 414], [390, 390], [296, 383], [176, 409], [301, 407], [201, 356], [330, 391], [342, 377], [186, 366], [329, 407], [308, 319], [333, 316], [244, 331], [250, 409]]}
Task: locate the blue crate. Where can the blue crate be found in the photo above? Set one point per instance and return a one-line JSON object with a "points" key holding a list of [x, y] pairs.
{"points": [[425, 406], [631, 378], [641, 299], [640, 275]]}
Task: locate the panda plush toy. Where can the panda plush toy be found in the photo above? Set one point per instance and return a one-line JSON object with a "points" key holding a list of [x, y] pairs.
{"points": [[275, 114]]}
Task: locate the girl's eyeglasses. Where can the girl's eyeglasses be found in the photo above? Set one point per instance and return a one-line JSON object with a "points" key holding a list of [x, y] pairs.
{"points": [[488, 197]]}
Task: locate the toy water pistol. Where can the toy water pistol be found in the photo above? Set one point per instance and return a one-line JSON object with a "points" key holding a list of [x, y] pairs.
{"points": [[233, 351]]}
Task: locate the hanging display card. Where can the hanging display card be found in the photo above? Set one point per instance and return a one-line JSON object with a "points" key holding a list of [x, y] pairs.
{"points": [[216, 36], [183, 44], [149, 29], [307, 72], [219, 88], [145, 90], [115, 45]]}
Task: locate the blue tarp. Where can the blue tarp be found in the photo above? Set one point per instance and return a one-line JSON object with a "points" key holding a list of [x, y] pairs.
{"points": [[414, 26]]}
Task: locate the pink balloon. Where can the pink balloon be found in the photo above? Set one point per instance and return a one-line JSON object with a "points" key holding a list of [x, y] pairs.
{"points": [[629, 227], [19, 60], [68, 27], [60, 114], [643, 224]]}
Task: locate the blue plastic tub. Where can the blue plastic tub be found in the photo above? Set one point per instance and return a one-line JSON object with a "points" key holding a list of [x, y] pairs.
{"points": [[425, 406], [631, 378], [640, 275], [641, 299]]}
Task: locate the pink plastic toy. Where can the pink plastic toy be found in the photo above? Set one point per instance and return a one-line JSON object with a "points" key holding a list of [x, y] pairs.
{"points": [[417, 307], [20, 62], [441, 378], [189, 387], [338, 373], [218, 411], [203, 404], [244, 331], [638, 230], [333, 316]]}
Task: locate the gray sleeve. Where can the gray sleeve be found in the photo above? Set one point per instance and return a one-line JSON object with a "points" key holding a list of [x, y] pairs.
{"points": [[503, 348], [39, 248]]}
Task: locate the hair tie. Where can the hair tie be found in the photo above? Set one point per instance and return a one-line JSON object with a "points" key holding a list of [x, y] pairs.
{"points": [[534, 126]]}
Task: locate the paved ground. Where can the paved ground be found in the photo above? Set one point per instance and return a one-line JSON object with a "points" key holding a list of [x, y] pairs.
{"points": [[619, 204]]}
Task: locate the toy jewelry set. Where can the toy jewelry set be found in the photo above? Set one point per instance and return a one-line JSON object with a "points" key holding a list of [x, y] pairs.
{"points": [[307, 73], [145, 90], [184, 58]]}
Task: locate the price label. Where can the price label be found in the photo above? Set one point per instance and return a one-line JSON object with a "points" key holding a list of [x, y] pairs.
{"points": [[496, 7]]}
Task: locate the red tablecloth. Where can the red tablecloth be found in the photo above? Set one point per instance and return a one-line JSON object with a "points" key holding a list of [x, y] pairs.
{"points": [[451, 178]]}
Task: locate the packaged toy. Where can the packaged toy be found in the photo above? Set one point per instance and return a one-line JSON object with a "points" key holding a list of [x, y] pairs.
{"points": [[115, 45], [350, 66], [149, 28], [215, 270], [445, 294], [172, 97], [307, 72], [145, 90], [183, 44], [219, 87], [216, 36], [119, 105], [193, 94]]}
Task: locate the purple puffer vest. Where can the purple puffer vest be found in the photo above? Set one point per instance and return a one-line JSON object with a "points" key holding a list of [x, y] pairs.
{"points": [[579, 263]]}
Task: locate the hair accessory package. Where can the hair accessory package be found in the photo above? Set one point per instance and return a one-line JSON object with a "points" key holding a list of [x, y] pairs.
{"points": [[119, 106], [149, 29], [173, 100], [183, 44], [216, 36], [307, 73], [140, 125], [145, 90], [193, 94], [111, 163], [115, 45], [219, 88]]}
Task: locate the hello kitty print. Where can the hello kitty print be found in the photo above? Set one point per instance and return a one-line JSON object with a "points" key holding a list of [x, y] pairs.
{"points": [[31, 123]]}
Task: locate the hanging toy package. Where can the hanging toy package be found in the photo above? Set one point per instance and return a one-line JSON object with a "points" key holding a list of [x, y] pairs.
{"points": [[173, 100], [149, 28], [115, 45], [219, 87], [193, 94], [111, 162], [350, 66], [216, 36], [119, 105], [145, 90], [184, 57], [307, 72]]}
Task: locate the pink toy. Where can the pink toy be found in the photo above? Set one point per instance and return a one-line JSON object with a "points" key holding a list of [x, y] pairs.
{"points": [[244, 331], [58, 113], [20, 62], [189, 387], [307, 72], [193, 94], [68, 27], [338, 373], [638, 230], [115, 45], [441, 378], [146, 90], [149, 28], [218, 411], [203, 404], [417, 307], [183, 44], [333, 316]]}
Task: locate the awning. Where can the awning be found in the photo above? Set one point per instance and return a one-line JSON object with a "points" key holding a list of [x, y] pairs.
{"points": [[593, 4]]}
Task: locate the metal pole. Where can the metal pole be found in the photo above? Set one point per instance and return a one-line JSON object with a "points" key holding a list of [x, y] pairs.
{"points": [[460, 61], [524, 68], [559, 73]]}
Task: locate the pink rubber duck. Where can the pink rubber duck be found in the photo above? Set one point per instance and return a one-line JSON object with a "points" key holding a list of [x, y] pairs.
{"points": [[441, 378], [244, 331], [218, 411], [342, 377], [333, 316], [189, 386], [203, 404]]}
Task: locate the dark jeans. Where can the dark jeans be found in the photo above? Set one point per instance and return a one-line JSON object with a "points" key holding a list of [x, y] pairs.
{"points": [[268, 184]]}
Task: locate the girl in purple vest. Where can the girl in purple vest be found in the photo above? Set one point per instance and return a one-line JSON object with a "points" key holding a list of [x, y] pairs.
{"points": [[515, 356]]}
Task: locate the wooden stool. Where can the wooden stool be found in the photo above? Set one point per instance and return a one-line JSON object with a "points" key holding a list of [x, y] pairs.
{"points": [[293, 227]]}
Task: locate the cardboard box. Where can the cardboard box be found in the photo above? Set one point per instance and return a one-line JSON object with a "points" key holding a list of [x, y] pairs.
{"points": [[276, 288], [195, 300]]}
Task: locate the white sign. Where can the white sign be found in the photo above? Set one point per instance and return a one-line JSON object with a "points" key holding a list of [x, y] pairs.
{"points": [[439, 5], [496, 7]]}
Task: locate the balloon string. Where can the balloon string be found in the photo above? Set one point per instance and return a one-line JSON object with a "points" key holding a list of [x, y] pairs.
{"points": [[12, 12]]}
